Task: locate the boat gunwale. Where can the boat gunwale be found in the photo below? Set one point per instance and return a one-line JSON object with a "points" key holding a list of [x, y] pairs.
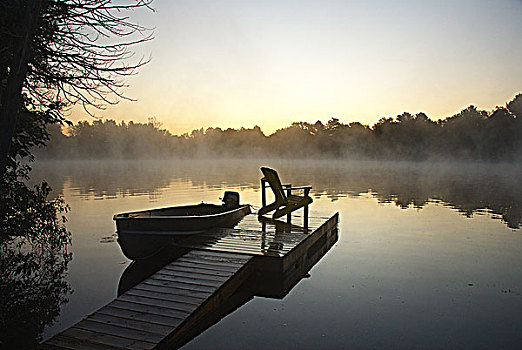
{"points": [[121, 217]]}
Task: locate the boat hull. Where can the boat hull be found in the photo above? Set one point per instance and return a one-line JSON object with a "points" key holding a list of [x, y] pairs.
{"points": [[143, 234]]}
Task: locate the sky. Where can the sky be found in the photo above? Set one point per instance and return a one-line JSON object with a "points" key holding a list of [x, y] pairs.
{"points": [[270, 63]]}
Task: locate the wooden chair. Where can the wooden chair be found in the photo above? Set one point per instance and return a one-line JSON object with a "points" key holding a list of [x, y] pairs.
{"points": [[284, 204]]}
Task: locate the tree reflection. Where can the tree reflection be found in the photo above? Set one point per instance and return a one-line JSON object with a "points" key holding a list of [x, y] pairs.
{"points": [[466, 187], [33, 261]]}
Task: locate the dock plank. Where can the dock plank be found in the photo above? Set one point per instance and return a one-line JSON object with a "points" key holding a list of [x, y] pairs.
{"points": [[173, 305], [171, 291], [52, 347], [90, 337], [239, 250], [163, 296], [195, 274], [131, 323], [150, 309], [160, 276], [254, 245], [210, 262], [159, 281], [139, 316], [63, 342], [207, 266], [198, 270], [218, 255], [211, 259], [90, 324]]}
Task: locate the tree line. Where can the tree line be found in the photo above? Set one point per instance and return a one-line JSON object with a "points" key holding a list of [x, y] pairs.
{"points": [[471, 134]]}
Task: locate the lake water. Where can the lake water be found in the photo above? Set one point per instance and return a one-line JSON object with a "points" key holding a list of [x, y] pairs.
{"points": [[429, 255]]}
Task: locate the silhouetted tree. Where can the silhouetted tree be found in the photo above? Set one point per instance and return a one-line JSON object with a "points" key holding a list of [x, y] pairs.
{"points": [[515, 106], [471, 134], [500, 135], [462, 135], [33, 243], [51, 52]]}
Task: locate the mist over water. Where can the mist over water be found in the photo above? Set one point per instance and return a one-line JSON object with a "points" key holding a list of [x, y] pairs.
{"points": [[470, 188], [428, 253]]}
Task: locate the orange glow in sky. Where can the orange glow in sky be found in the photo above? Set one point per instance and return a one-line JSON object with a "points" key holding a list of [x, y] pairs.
{"points": [[270, 63]]}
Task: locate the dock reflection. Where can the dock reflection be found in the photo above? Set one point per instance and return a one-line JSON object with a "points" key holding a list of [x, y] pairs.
{"points": [[265, 281]]}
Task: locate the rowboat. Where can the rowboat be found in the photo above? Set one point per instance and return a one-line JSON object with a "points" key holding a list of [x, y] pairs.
{"points": [[141, 234]]}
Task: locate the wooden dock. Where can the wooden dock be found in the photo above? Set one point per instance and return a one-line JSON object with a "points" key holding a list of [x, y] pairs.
{"points": [[199, 281]]}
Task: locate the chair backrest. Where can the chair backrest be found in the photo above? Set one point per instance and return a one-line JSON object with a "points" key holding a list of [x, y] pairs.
{"points": [[273, 179]]}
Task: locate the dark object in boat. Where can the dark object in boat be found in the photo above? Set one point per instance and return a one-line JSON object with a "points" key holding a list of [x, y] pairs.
{"points": [[143, 233]]}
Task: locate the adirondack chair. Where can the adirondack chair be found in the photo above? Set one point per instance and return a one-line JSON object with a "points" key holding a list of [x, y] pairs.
{"points": [[284, 204]]}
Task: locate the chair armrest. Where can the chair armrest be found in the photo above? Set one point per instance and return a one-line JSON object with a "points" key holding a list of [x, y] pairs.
{"points": [[301, 187], [305, 188]]}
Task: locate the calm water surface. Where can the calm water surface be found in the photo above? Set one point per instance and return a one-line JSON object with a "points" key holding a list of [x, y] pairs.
{"points": [[429, 255]]}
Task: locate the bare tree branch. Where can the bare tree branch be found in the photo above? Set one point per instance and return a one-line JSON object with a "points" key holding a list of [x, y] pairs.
{"points": [[76, 51]]}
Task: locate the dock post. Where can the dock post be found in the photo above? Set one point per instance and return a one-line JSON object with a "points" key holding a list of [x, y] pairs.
{"points": [[289, 215], [305, 224], [263, 193]]}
